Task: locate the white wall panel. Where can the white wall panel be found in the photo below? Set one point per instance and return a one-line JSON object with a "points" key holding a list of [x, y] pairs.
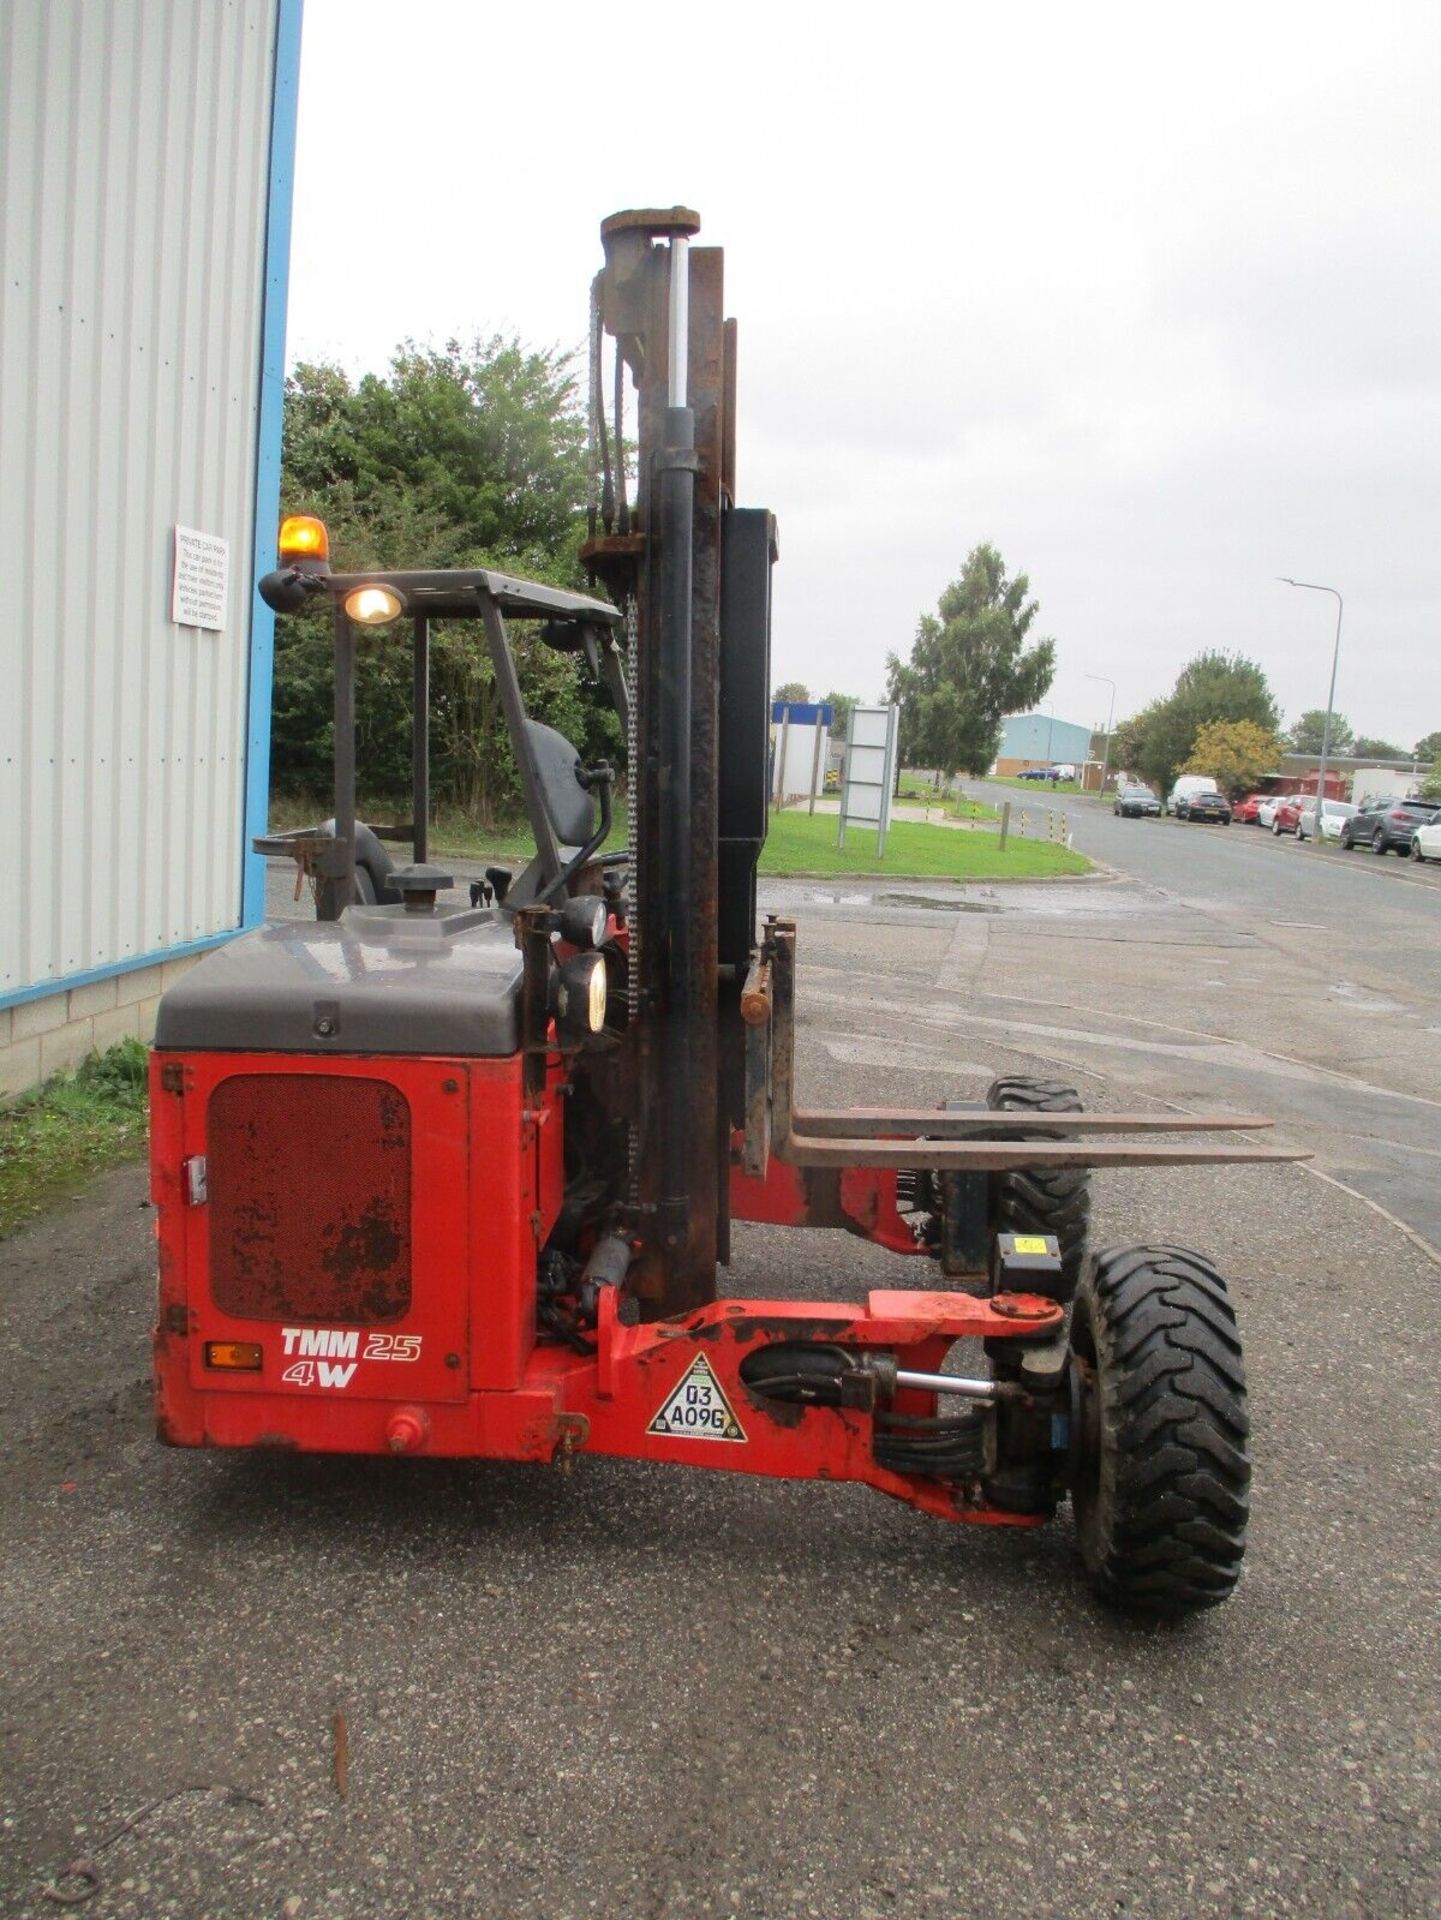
{"points": [[134, 156]]}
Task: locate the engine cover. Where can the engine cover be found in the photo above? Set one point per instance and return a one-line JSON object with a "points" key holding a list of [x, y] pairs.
{"points": [[379, 980]]}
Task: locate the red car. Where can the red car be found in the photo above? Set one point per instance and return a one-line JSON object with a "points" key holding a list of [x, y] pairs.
{"points": [[1288, 813], [1245, 810]]}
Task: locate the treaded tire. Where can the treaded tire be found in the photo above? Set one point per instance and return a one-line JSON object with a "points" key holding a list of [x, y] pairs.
{"points": [[1053, 1200], [1163, 1494]]}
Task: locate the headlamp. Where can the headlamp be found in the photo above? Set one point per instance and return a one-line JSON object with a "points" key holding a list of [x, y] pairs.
{"points": [[373, 606], [579, 996]]}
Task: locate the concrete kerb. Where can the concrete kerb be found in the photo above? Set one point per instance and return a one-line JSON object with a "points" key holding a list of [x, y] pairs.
{"points": [[1101, 872]]}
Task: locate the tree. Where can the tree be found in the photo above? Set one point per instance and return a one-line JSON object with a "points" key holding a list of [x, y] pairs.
{"points": [[1367, 747], [1306, 734], [1431, 785], [1128, 741], [841, 704], [488, 436], [468, 456], [969, 668], [1212, 687], [792, 693], [1235, 753], [1428, 748]]}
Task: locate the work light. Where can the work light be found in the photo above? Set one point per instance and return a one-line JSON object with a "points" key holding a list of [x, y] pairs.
{"points": [[374, 606], [579, 995]]}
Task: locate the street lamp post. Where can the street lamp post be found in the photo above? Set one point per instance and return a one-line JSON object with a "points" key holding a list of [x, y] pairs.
{"points": [[1110, 722], [1312, 587]]}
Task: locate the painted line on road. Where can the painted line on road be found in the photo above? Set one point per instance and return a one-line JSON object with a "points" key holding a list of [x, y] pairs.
{"points": [[1418, 1240], [1215, 1047], [955, 1017], [1214, 1040]]}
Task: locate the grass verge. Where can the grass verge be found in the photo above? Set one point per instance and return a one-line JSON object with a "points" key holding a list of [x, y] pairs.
{"points": [[806, 843], [960, 808], [453, 834], [54, 1138], [1042, 787], [796, 842]]}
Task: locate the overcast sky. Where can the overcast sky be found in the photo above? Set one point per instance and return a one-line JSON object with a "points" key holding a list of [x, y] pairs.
{"points": [[1145, 295]]}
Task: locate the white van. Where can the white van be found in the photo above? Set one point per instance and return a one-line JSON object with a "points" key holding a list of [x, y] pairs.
{"points": [[1188, 784]]}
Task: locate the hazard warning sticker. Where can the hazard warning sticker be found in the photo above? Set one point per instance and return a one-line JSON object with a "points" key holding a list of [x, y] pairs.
{"points": [[696, 1408]]}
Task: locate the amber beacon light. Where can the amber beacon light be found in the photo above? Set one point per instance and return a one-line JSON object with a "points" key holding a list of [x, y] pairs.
{"points": [[304, 563], [304, 539]]}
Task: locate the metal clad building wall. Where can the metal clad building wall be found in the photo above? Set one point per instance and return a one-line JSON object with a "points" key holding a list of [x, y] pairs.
{"points": [[134, 158], [1039, 736]]}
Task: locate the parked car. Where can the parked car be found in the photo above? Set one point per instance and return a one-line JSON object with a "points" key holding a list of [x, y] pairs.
{"points": [[1426, 842], [1268, 803], [1334, 816], [1389, 827], [1034, 773], [1209, 806], [1246, 812], [1286, 813], [1179, 797], [1133, 801]]}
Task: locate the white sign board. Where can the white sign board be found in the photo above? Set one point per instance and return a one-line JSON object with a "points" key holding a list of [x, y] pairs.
{"points": [[870, 774], [799, 759], [200, 586]]}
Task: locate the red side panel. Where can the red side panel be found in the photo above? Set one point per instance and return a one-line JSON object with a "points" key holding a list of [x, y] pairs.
{"points": [[370, 1224]]}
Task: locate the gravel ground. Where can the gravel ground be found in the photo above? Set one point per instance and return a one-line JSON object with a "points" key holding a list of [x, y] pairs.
{"points": [[641, 1692]]}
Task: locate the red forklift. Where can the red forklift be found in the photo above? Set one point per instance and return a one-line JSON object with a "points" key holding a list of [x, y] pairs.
{"points": [[451, 1176]]}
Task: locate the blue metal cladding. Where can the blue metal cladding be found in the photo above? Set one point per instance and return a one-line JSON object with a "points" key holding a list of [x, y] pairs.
{"points": [[1041, 738], [268, 451]]}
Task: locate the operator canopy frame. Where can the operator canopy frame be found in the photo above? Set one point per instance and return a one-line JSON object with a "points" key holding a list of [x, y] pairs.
{"points": [[558, 790]]}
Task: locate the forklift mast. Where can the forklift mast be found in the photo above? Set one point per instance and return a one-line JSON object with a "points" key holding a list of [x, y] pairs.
{"points": [[691, 572]]}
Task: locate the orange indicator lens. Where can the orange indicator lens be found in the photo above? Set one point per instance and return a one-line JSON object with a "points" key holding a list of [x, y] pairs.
{"points": [[241, 1356]]}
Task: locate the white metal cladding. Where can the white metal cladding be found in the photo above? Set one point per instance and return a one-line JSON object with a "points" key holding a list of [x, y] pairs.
{"points": [[134, 155]]}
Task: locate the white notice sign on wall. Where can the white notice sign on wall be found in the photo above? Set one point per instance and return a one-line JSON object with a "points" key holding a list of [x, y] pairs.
{"points": [[201, 585]]}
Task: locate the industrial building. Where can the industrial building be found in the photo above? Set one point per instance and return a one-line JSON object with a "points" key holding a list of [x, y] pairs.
{"points": [[146, 149], [1041, 740]]}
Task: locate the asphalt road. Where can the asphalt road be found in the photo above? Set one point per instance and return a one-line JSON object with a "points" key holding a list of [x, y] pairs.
{"points": [[1315, 973], [641, 1692]]}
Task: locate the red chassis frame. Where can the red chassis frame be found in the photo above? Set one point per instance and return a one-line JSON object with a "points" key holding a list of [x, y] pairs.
{"points": [[488, 1181]]}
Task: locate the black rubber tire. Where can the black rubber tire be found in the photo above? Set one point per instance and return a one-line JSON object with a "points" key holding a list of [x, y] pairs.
{"points": [[1378, 841], [1163, 1493], [1043, 1199]]}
